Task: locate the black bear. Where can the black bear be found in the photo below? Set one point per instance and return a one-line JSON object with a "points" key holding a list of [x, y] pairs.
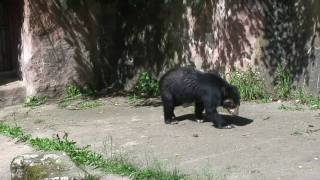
{"points": [[206, 90]]}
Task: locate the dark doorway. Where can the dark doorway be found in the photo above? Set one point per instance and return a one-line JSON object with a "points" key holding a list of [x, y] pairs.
{"points": [[6, 63], [10, 37]]}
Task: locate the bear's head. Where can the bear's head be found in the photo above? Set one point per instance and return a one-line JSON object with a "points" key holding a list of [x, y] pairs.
{"points": [[231, 99]]}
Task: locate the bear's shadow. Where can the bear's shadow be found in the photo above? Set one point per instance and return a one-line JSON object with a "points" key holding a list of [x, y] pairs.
{"points": [[234, 120]]}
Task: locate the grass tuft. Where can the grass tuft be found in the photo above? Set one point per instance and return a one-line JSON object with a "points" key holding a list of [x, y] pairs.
{"points": [[147, 86], [33, 101], [88, 104], [73, 90], [250, 85], [295, 107], [311, 101], [79, 98], [283, 82]]}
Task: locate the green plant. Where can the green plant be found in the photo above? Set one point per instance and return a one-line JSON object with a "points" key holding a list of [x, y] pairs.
{"points": [[250, 85], [312, 101], [283, 82], [298, 132], [89, 104], [133, 98], [74, 93], [73, 90], [33, 101], [15, 132], [146, 86], [295, 107], [84, 156], [89, 90]]}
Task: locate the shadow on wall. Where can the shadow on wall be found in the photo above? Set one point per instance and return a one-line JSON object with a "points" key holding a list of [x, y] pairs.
{"points": [[155, 35], [145, 34], [291, 28], [141, 34]]}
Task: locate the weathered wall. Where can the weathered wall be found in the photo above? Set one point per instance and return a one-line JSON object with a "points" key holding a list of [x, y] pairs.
{"points": [[307, 31], [58, 45], [209, 35], [220, 35], [290, 38], [84, 41]]}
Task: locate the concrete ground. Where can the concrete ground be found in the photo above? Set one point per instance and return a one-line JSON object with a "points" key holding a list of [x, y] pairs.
{"points": [[266, 143], [12, 92]]}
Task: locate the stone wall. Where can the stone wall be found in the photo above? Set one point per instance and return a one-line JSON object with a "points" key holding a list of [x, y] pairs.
{"points": [[290, 38], [58, 45], [110, 42], [217, 35], [307, 30], [221, 35]]}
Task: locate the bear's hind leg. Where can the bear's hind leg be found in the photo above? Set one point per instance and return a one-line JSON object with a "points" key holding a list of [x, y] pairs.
{"points": [[168, 108], [198, 109]]}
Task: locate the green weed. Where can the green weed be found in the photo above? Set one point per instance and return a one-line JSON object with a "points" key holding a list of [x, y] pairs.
{"points": [[73, 90], [295, 107], [250, 85], [84, 156], [73, 94], [312, 101], [297, 132], [33, 101], [15, 132], [133, 98], [88, 104], [283, 82], [146, 86]]}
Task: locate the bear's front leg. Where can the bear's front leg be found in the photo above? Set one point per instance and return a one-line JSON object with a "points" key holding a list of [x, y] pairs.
{"points": [[217, 119]]}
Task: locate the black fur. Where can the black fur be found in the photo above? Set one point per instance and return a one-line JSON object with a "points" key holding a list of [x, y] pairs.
{"points": [[206, 90]]}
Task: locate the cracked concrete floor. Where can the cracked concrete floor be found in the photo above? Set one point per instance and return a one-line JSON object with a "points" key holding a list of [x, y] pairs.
{"points": [[266, 143]]}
